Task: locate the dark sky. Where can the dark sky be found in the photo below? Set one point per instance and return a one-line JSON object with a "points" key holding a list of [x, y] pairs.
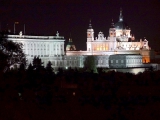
{"points": [[45, 17]]}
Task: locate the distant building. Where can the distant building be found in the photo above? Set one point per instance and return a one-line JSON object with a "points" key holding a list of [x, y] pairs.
{"points": [[119, 50], [48, 48]]}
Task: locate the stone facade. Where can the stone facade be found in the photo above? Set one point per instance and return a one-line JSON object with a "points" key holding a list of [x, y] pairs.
{"points": [[118, 50]]}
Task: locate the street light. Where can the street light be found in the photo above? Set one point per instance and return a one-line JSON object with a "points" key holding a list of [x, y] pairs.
{"points": [[15, 26]]}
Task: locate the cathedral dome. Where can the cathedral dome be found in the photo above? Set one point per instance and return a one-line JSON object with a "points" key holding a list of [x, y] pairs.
{"points": [[121, 24], [70, 46]]}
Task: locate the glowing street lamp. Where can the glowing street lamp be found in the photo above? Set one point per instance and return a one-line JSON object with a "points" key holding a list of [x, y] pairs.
{"points": [[15, 26]]}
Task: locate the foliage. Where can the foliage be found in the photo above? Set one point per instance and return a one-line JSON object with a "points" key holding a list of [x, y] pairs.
{"points": [[30, 67], [90, 64], [49, 67], [26, 94], [37, 63], [11, 53]]}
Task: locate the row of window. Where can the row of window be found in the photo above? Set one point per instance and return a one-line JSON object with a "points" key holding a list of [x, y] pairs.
{"points": [[41, 49], [118, 61], [41, 46], [127, 61], [43, 52], [40, 55], [45, 55], [66, 63]]}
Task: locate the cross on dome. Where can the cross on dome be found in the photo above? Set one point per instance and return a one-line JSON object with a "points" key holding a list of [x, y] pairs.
{"points": [[90, 25], [120, 16]]}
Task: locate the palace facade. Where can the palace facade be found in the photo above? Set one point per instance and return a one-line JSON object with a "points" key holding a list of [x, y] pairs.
{"points": [[119, 50]]}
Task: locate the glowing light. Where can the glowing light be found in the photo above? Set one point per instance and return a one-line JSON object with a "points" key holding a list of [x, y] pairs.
{"points": [[74, 93], [146, 59], [16, 22], [97, 48]]}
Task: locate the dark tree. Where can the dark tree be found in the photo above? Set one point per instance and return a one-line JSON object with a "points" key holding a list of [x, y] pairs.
{"points": [[49, 67], [37, 63], [90, 64], [30, 67], [60, 71], [11, 53], [22, 67]]}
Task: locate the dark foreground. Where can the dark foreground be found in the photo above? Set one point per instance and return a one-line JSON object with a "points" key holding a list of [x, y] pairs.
{"points": [[71, 95]]}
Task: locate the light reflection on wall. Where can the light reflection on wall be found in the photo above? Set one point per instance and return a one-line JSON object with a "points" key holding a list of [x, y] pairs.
{"points": [[137, 70], [133, 70], [101, 48], [146, 59]]}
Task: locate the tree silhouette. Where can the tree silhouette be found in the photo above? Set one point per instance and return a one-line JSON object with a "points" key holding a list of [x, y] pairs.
{"points": [[37, 63], [90, 64], [11, 53], [22, 67], [30, 67], [49, 67]]}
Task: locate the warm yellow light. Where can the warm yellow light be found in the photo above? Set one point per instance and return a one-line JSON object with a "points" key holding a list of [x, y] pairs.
{"points": [[97, 48], [146, 60], [16, 22]]}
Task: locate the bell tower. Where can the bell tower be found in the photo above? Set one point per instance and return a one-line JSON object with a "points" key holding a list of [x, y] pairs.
{"points": [[112, 37], [112, 30], [90, 33], [90, 37]]}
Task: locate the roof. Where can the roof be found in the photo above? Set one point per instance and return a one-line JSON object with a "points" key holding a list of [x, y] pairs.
{"points": [[121, 25]]}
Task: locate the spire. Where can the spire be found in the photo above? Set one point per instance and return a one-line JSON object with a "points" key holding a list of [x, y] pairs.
{"points": [[70, 39], [120, 16], [90, 25], [112, 24]]}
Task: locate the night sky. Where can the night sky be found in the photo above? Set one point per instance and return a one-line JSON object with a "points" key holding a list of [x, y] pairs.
{"points": [[45, 17]]}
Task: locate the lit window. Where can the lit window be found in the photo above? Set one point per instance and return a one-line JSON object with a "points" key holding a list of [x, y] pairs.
{"points": [[121, 61], [74, 93]]}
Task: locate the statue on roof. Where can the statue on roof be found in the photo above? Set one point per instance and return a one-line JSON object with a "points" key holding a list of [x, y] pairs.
{"points": [[20, 33], [57, 34]]}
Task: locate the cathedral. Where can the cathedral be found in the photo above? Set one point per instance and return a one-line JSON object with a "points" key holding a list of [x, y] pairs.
{"points": [[119, 50], [119, 39]]}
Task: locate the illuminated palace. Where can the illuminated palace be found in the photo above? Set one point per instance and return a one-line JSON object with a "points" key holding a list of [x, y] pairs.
{"points": [[119, 50]]}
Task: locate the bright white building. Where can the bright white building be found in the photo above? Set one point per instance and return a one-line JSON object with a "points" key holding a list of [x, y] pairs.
{"points": [[48, 48], [119, 41], [119, 50]]}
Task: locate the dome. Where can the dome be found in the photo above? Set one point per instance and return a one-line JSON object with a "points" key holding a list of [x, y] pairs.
{"points": [[121, 24], [70, 46]]}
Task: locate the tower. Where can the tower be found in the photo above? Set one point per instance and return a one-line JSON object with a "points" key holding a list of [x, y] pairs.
{"points": [[112, 30], [112, 37], [90, 33], [90, 37]]}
